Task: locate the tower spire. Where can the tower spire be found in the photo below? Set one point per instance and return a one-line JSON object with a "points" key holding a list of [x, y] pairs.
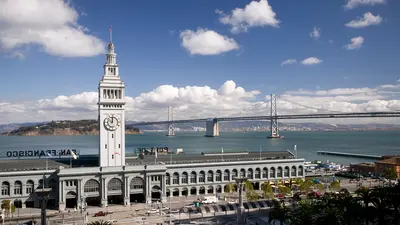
{"points": [[110, 31]]}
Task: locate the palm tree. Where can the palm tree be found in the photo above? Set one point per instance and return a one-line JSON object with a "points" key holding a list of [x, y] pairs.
{"points": [[279, 212], [303, 215], [101, 222]]}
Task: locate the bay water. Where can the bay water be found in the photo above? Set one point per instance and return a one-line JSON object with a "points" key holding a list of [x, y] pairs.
{"points": [[308, 143]]}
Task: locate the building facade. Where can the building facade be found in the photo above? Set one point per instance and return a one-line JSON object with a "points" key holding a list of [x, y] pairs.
{"points": [[121, 180], [100, 186]]}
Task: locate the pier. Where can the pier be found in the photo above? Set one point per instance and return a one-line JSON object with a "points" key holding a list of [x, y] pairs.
{"points": [[345, 154]]}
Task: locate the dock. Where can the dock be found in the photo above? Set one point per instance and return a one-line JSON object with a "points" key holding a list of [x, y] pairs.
{"points": [[346, 154]]}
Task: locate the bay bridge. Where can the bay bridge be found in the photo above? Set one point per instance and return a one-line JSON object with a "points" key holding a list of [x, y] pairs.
{"points": [[212, 127]]}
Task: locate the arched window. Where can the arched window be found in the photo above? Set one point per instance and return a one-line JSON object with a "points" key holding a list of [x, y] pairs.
{"points": [[202, 177], [286, 171], [184, 178], [167, 179], [175, 178], [272, 172], [265, 173], [218, 175], [280, 171], [234, 173], [293, 171], [300, 173], [114, 184], [210, 177], [226, 175], [5, 188], [30, 187], [137, 183], [91, 186], [193, 177], [257, 174], [18, 188], [250, 173], [242, 173]]}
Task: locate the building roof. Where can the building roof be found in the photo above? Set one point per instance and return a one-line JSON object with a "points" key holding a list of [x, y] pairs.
{"points": [[209, 157], [391, 161], [92, 160], [29, 165]]}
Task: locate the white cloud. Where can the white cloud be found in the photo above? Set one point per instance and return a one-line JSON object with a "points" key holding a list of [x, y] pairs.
{"points": [[351, 4], [289, 61], [206, 42], [255, 14], [356, 43], [51, 24], [315, 33], [367, 20], [311, 61], [203, 101]]}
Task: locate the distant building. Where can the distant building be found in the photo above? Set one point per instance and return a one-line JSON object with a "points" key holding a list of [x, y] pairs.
{"points": [[389, 163], [365, 168]]}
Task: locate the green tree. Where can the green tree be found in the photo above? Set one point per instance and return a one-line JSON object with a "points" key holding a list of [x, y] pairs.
{"points": [[284, 190], [267, 190], [230, 188], [334, 186], [279, 212], [390, 174], [306, 185], [319, 187], [6, 205]]}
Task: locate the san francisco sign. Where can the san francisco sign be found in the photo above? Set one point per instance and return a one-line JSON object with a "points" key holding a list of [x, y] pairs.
{"points": [[41, 153]]}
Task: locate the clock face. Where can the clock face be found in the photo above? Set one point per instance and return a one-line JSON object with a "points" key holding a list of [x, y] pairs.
{"points": [[111, 122]]}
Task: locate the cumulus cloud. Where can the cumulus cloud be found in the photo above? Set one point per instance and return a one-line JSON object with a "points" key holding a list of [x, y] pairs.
{"points": [[367, 20], [51, 24], [255, 14], [229, 99], [351, 4], [206, 42], [355, 43], [311, 61], [315, 33], [289, 61]]}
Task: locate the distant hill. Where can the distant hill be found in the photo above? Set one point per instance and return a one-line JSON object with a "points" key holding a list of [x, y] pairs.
{"points": [[63, 128]]}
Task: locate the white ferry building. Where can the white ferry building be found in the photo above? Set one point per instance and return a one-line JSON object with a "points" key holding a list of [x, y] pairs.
{"points": [[112, 178]]}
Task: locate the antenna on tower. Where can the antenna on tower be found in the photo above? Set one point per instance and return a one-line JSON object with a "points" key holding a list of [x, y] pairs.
{"points": [[110, 30]]}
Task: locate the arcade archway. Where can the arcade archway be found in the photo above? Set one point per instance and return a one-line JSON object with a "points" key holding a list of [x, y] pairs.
{"points": [[155, 193], [92, 191], [71, 200], [137, 190], [114, 191]]}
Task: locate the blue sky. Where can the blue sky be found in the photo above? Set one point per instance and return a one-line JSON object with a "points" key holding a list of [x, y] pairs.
{"points": [[150, 52]]}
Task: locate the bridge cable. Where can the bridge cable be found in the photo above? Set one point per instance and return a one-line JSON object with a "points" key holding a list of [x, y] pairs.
{"points": [[266, 100], [308, 107]]}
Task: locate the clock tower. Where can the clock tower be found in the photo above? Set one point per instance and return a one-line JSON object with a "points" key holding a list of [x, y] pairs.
{"points": [[111, 103]]}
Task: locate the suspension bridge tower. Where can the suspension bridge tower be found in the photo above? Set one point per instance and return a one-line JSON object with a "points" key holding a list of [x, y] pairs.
{"points": [[171, 131], [274, 118]]}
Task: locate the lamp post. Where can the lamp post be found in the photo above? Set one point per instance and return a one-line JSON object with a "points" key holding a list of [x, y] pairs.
{"points": [[240, 212], [43, 195]]}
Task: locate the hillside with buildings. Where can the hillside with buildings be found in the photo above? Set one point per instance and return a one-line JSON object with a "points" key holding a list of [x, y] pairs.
{"points": [[63, 128]]}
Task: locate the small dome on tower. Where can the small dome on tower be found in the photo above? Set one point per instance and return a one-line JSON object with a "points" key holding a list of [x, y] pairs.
{"points": [[111, 47]]}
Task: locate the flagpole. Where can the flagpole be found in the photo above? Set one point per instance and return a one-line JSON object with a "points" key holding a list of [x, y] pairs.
{"points": [[260, 151]]}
